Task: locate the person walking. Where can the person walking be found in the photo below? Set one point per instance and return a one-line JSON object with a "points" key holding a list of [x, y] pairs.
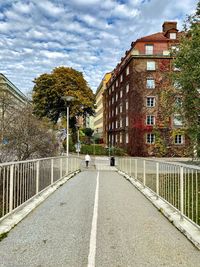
{"points": [[87, 160]]}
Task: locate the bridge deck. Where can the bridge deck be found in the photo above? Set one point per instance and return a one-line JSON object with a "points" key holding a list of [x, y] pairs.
{"points": [[130, 231]]}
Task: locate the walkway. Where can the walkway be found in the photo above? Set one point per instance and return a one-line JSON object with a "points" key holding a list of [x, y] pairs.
{"points": [[130, 231]]}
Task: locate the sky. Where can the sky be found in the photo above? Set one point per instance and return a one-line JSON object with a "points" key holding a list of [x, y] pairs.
{"points": [[88, 35]]}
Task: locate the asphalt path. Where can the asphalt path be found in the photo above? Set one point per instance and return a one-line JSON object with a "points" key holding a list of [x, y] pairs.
{"points": [[97, 219]]}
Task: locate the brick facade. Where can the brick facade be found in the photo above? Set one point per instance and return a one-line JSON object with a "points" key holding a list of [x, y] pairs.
{"points": [[132, 111]]}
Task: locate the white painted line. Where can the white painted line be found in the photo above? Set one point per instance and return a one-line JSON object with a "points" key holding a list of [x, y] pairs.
{"points": [[93, 235]]}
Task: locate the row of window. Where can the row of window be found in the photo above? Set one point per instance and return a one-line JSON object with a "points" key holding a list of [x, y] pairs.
{"points": [[121, 80], [150, 120], [150, 138], [178, 139]]}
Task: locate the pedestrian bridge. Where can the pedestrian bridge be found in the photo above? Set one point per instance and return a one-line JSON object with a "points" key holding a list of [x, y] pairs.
{"points": [[56, 212]]}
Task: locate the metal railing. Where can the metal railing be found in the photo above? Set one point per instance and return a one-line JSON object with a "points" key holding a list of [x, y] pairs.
{"points": [[177, 184], [20, 181]]}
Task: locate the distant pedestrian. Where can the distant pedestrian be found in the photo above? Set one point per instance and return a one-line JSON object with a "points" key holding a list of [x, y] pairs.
{"points": [[87, 160]]}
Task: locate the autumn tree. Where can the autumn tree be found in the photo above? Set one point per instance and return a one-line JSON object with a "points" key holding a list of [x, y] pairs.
{"points": [[50, 89], [187, 61]]}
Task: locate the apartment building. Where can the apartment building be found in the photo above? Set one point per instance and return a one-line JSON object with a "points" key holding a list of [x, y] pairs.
{"points": [[133, 109], [98, 119]]}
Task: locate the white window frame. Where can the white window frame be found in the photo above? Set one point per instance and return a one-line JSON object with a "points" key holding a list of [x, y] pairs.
{"points": [[179, 139], [127, 87], [150, 138], [150, 101], [151, 65], [120, 123], [116, 96], [120, 137], [172, 35], [127, 71], [126, 104], [126, 120], [121, 93], [121, 78], [150, 83], [127, 138], [116, 124], [121, 109], [177, 121], [150, 120], [116, 110], [149, 49]]}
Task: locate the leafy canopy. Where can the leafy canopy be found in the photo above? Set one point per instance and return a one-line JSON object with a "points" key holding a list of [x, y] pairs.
{"points": [[187, 59], [49, 90]]}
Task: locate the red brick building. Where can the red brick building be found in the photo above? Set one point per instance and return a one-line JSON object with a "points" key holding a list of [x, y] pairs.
{"points": [[133, 116]]}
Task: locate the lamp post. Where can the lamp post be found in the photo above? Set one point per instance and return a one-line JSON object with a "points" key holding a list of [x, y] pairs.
{"points": [[67, 99]]}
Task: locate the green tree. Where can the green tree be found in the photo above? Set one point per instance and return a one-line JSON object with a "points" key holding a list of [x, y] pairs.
{"points": [[49, 90], [187, 60]]}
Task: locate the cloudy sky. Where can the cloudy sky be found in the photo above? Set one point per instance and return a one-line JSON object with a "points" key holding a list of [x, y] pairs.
{"points": [[88, 35]]}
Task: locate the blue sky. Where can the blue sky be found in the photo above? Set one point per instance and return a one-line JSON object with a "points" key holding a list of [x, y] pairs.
{"points": [[88, 35]]}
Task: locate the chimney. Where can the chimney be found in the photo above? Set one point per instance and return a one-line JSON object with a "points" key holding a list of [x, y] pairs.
{"points": [[168, 25]]}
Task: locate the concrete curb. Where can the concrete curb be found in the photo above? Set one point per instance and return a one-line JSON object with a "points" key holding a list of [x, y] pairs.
{"points": [[183, 224], [14, 218]]}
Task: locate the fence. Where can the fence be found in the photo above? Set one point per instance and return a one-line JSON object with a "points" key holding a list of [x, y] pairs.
{"points": [[20, 181], [178, 184]]}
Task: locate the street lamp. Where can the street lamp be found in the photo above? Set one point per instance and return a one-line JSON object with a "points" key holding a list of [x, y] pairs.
{"points": [[67, 99]]}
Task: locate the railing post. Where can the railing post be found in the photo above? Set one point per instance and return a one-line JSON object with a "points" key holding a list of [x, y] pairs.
{"points": [[11, 188], [60, 167], [181, 192], [157, 179], [67, 165], [135, 168], [37, 176], [51, 171], [144, 172]]}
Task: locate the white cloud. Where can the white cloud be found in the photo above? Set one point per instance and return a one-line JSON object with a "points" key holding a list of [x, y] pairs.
{"points": [[89, 35]]}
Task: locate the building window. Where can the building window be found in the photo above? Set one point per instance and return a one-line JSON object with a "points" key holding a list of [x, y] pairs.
{"points": [[174, 48], [112, 99], [127, 88], [126, 105], [120, 109], [178, 139], [109, 91], [177, 121], [127, 138], [177, 85], [116, 124], [121, 78], [112, 88], [172, 35], [116, 97], [127, 70], [149, 49], [150, 101], [150, 138], [116, 83], [151, 65], [178, 102], [150, 83], [120, 123], [121, 93], [112, 112], [150, 120], [113, 125], [116, 110], [126, 120], [120, 138], [116, 138]]}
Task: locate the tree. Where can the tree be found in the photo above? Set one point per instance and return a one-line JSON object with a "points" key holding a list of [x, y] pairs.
{"points": [[27, 137], [49, 90], [187, 60]]}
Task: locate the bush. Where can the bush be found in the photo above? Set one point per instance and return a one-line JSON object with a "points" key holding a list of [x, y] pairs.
{"points": [[100, 150]]}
